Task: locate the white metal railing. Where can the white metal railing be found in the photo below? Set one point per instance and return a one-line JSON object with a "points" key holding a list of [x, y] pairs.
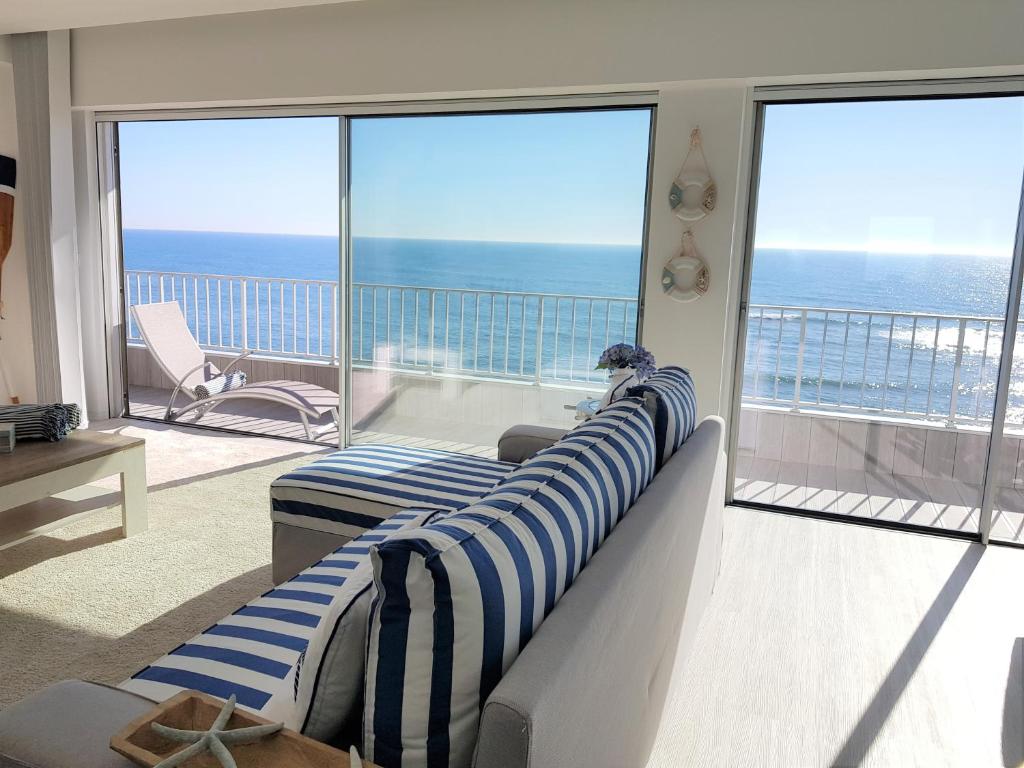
{"points": [[940, 367], [539, 337]]}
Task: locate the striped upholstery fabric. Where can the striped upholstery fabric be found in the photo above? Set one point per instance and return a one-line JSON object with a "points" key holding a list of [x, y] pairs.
{"points": [[459, 598], [42, 422], [354, 489], [218, 384], [254, 653], [672, 402]]}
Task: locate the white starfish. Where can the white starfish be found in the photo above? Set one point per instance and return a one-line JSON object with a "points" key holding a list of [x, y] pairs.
{"points": [[215, 739]]}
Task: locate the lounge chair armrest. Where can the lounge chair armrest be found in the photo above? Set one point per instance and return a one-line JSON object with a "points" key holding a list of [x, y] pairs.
{"points": [[245, 354], [177, 388]]}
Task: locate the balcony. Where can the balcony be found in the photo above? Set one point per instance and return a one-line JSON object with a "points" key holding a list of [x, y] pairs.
{"points": [[435, 367], [878, 414]]}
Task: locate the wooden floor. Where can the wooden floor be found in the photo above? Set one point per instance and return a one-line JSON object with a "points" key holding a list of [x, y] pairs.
{"points": [[831, 644], [939, 502], [271, 420], [909, 471]]}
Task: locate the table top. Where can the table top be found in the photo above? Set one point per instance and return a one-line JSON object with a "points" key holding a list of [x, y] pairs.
{"points": [[39, 457]]}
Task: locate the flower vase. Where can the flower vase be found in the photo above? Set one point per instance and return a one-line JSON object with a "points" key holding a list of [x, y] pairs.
{"points": [[619, 380]]}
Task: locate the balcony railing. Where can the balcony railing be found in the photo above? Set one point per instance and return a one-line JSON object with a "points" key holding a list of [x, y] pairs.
{"points": [[933, 367], [545, 338]]}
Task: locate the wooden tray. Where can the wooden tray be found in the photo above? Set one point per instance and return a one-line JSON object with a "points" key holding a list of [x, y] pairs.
{"points": [[196, 711]]}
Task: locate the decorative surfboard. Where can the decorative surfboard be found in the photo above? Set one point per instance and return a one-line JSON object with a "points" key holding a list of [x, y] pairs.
{"points": [[8, 176]]}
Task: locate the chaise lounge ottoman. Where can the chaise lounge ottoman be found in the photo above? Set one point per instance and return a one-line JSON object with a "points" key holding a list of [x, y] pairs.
{"points": [[318, 508]]}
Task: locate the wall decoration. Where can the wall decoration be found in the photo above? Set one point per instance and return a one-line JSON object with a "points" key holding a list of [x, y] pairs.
{"points": [[693, 194], [686, 276]]}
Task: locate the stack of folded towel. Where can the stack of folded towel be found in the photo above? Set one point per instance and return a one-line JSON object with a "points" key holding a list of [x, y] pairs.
{"points": [[42, 422]]}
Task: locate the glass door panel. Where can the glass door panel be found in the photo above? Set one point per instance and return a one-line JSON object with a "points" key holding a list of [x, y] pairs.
{"points": [[494, 257], [236, 222], [878, 287]]}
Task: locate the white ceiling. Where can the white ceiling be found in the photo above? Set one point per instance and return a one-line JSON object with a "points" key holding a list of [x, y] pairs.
{"points": [[36, 15]]}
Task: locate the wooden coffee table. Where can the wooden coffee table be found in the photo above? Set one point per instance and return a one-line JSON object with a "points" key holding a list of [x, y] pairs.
{"points": [[37, 470]]}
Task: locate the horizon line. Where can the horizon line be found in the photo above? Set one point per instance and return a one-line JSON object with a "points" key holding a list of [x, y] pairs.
{"points": [[389, 237], [867, 250]]}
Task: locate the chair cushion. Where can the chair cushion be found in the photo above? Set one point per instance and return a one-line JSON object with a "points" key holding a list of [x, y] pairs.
{"points": [[218, 384], [459, 598], [352, 490], [672, 403], [317, 619]]}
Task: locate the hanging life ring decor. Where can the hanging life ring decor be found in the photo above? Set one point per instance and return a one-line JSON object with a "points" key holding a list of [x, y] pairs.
{"points": [[693, 194], [686, 276]]}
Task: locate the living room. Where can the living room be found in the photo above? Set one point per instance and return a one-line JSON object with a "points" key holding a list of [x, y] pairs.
{"points": [[284, 273]]}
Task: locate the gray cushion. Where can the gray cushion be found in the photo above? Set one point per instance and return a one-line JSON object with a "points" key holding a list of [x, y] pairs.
{"points": [[68, 725], [519, 443]]}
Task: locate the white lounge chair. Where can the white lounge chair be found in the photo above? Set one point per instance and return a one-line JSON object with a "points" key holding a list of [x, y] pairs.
{"points": [[176, 351]]}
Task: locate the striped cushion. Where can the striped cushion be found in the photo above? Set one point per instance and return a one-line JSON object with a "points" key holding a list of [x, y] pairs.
{"points": [[672, 403], [459, 598], [352, 490], [255, 652], [329, 681], [218, 384], [42, 422]]}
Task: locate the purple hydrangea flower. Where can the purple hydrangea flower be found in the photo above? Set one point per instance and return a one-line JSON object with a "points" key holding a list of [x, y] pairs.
{"points": [[628, 356]]}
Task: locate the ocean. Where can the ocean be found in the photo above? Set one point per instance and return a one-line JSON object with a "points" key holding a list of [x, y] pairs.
{"points": [[867, 361]]}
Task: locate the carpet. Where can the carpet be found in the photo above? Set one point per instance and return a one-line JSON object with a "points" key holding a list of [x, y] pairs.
{"points": [[82, 602]]}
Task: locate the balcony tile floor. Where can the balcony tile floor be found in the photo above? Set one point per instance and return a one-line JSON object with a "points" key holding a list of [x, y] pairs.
{"points": [[271, 420], [930, 501]]}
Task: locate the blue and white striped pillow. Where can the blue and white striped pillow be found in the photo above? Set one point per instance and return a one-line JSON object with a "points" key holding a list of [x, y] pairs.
{"points": [[459, 598], [218, 384], [328, 685], [672, 403]]}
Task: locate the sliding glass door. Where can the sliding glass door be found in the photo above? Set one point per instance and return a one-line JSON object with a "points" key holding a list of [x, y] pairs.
{"points": [[877, 287], [494, 256], [486, 261], [232, 226]]}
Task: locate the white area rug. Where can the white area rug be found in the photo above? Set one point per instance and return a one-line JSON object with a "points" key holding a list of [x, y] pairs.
{"points": [[83, 602]]}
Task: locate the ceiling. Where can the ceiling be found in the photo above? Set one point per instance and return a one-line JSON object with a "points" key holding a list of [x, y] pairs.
{"points": [[37, 15]]}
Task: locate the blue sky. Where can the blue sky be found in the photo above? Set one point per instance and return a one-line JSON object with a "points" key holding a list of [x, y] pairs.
{"points": [[553, 177], [935, 176]]}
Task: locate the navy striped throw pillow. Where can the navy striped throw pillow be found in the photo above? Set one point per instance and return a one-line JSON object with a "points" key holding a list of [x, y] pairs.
{"points": [[295, 654], [329, 683], [458, 599], [672, 403], [218, 384]]}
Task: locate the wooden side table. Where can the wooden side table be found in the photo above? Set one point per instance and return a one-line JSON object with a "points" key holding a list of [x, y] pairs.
{"points": [[36, 470]]}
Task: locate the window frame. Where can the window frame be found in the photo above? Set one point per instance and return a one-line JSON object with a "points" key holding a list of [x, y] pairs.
{"points": [[904, 90], [105, 125]]}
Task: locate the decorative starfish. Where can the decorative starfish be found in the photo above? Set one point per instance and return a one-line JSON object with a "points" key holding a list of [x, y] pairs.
{"points": [[215, 739]]}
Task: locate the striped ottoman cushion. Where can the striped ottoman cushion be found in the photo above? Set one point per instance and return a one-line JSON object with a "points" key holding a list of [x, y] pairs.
{"points": [[459, 598], [672, 402], [256, 652], [354, 489]]}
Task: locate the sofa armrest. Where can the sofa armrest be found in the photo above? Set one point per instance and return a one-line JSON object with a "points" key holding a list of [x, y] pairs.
{"points": [[522, 441], [68, 725]]}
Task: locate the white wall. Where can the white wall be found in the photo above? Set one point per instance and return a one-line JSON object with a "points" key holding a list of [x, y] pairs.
{"points": [[5, 49], [16, 327], [700, 57], [402, 47], [697, 334]]}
